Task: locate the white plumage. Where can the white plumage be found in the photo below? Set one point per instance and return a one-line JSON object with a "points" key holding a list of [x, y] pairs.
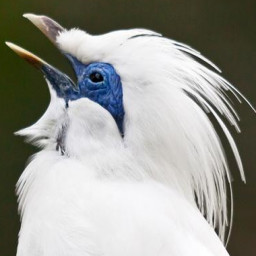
{"points": [[145, 193]]}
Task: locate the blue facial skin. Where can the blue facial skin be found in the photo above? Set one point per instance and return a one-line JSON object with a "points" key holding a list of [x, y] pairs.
{"points": [[97, 81], [61, 83]]}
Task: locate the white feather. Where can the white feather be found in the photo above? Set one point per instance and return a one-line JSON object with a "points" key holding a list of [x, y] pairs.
{"points": [[137, 195]]}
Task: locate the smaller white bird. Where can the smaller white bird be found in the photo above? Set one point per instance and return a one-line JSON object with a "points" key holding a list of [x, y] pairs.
{"points": [[130, 162]]}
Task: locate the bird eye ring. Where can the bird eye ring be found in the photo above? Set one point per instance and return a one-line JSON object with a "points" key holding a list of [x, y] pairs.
{"points": [[96, 77]]}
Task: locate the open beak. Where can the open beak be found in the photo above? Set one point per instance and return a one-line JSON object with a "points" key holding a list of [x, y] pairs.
{"points": [[61, 83]]}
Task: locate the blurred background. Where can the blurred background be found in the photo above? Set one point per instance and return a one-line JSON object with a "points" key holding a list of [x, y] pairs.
{"points": [[223, 31]]}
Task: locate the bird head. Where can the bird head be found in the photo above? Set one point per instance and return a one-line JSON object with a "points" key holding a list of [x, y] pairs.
{"points": [[145, 93]]}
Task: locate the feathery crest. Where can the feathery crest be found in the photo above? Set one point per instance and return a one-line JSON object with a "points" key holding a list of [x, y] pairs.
{"points": [[167, 94]]}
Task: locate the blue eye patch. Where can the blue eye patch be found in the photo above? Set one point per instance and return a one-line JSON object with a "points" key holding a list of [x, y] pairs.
{"points": [[100, 83]]}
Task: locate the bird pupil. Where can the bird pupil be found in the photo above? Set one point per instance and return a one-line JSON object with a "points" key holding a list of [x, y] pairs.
{"points": [[96, 77]]}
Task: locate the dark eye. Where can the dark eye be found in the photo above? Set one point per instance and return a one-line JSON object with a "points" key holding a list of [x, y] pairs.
{"points": [[96, 77]]}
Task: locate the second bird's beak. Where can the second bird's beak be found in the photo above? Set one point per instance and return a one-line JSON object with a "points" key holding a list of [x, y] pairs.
{"points": [[65, 88]]}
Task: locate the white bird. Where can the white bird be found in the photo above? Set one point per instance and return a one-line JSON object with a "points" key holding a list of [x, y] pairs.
{"points": [[130, 162]]}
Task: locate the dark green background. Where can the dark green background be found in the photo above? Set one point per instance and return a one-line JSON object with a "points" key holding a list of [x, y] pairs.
{"points": [[224, 31]]}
